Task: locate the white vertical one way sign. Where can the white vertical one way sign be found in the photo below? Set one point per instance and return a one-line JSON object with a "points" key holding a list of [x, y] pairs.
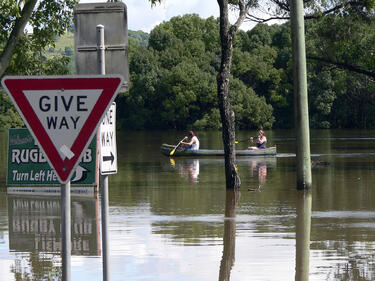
{"points": [[108, 147]]}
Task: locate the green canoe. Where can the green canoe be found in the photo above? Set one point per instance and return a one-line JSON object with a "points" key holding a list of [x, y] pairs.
{"points": [[167, 148]]}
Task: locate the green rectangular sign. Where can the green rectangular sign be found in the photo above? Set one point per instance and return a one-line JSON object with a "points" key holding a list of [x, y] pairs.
{"points": [[27, 165]]}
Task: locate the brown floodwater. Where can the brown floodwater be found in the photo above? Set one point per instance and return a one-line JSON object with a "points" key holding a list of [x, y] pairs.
{"points": [[172, 219]]}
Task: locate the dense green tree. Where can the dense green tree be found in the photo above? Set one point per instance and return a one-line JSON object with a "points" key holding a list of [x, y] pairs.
{"points": [[140, 37], [354, 105], [9, 118], [262, 61], [173, 80], [23, 53], [321, 98], [342, 71], [280, 9], [340, 35], [46, 18], [174, 69], [31, 60], [137, 110]]}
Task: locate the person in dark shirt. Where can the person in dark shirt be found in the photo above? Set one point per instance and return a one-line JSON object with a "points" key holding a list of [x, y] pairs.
{"points": [[261, 141]]}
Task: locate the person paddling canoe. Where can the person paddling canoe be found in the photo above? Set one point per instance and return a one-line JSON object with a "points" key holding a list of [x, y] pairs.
{"points": [[192, 142], [261, 141]]}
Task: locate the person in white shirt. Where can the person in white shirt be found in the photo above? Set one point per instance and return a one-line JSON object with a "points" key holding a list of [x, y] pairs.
{"points": [[192, 142]]}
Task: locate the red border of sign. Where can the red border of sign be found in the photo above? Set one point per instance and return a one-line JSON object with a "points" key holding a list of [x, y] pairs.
{"points": [[15, 85]]}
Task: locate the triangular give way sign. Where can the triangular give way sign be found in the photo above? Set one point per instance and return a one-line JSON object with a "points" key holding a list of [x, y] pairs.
{"points": [[62, 113]]}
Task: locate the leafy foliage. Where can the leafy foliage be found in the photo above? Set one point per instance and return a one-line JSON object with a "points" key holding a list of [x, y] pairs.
{"points": [[140, 36], [49, 19], [173, 80], [9, 117], [31, 60], [341, 72], [173, 71]]}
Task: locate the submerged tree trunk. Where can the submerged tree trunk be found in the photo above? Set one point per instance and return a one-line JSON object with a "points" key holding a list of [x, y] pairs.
{"points": [[227, 33], [229, 239]]}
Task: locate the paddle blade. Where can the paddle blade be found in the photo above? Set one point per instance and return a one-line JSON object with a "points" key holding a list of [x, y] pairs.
{"points": [[172, 152], [236, 142]]}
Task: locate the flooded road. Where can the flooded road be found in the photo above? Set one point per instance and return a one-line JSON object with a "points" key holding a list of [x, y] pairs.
{"points": [[172, 219]]}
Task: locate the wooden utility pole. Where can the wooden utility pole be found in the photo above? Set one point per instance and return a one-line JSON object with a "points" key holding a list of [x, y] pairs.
{"points": [[303, 231], [301, 110]]}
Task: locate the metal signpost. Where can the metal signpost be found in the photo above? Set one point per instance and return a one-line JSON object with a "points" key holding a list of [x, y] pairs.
{"points": [[105, 132], [108, 165], [103, 52], [103, 178], [63, 114]]}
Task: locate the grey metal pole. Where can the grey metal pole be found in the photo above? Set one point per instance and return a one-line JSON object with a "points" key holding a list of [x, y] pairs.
{"points": [[300, 96], [103, 178], [100, 48], [65, 231], [105, 236]]}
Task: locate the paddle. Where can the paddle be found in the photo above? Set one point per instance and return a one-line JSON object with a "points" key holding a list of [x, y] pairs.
{"points": [[248, 139], [174, 149], [240, 141]]}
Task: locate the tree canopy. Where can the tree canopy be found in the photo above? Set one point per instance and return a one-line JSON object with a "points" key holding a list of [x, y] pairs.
{"points": [[22, 51], [173, 80], [173, 71]]}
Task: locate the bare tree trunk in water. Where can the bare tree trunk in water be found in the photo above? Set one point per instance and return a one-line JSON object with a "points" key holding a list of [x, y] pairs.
{"points": [[229, 239], [227, 33]]}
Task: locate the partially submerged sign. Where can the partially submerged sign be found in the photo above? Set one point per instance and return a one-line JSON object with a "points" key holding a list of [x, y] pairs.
{"points": [[107, 141], [28, 166], [62, 113]]}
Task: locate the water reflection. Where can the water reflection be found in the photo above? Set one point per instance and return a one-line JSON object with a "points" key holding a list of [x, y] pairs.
{"points": [[190, 168], [229, 239], [259, 167], [303, 229], [187, 168], [163, 227], [35, 233]]}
